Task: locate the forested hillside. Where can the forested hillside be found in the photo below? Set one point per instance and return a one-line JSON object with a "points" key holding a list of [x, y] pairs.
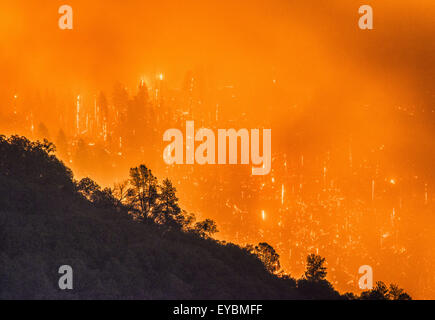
{"points": [[130, 242]]}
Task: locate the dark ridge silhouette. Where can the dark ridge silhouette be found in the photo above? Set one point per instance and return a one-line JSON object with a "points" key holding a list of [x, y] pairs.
{"points": [[129, 242]]}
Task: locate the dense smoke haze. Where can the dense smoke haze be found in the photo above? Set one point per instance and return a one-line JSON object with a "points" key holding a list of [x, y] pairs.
{"points": [[352, 115]]}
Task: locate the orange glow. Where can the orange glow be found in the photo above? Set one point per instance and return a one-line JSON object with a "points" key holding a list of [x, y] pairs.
{"points": [[351, 112]]}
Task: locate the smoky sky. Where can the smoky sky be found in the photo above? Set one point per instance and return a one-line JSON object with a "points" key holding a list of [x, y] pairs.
{"points": [[305, 44], [300, 67]]}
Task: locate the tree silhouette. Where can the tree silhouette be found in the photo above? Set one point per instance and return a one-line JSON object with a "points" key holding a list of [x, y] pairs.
{"points": [[143, 192], [206, 228], [167, 211], [314, 283], [120, 192], [33, 161], [186, 220], [87, 187], [104, 198], [316, 270], [396, 293], [382, 292], [379, 292], [93, 192], [267, 254]]}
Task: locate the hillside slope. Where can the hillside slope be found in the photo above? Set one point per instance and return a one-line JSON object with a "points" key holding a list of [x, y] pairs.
{"points": [[46, 223]]}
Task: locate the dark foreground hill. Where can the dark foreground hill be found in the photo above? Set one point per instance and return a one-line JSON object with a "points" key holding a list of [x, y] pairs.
{"points": [[47, 220], [46, 223]]}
